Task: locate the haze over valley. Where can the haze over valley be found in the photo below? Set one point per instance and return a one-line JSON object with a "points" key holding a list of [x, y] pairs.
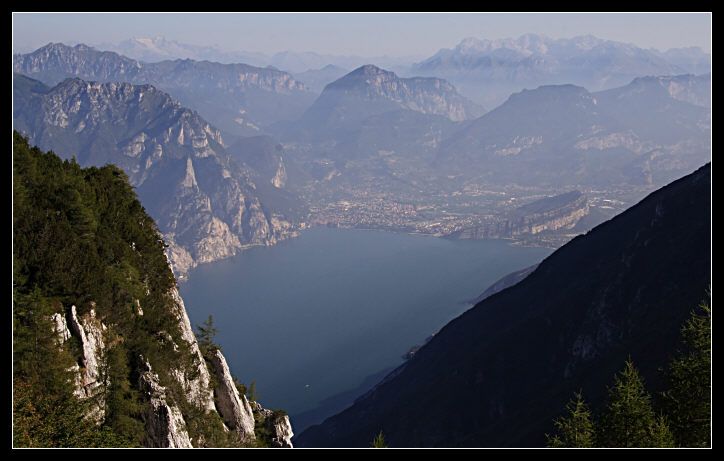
{"points": [[370, 228]]}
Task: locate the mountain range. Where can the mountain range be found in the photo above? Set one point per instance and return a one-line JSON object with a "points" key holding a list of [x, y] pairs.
{"points": [[207, 205], [159, 48], [488, 71], [642, 133], [237, 98], [372, 130], [498, 375]]}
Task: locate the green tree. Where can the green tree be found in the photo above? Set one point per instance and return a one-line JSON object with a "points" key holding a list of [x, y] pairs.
{"points": [[206, 334], [251, 392], [629, 419], [688, 400], [123, 407], [575, 430], [661, 435], [379, 441]]}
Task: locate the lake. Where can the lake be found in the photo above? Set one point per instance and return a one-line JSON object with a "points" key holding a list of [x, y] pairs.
{"points": [[313, 316]]}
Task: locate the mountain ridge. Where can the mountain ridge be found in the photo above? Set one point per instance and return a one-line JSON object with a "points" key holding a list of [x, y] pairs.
{"points": [[499, 374], [207, 206]]}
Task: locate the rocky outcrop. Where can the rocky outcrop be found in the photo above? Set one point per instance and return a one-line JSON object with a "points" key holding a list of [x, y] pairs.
{"points": [[165, 425], [61, 328], [197, 389], [561, 212], [280, 177], [233, 407], [276, 424], [89, 330]]}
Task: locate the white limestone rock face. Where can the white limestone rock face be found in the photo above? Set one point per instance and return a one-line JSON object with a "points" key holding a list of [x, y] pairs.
{"points": [[278, 425], [198, 389], [61, 328], [280, 177], [89, 329], [165, 425], [282, 430], [233, 408]]}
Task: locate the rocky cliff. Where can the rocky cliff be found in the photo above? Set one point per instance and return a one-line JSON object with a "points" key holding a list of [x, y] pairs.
{"points": [[104, 352], [207, 205], [164, 420], [555, 213]]}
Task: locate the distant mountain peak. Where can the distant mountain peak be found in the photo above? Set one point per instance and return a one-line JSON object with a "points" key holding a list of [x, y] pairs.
{"points": [[370, 69], [428, 95]]}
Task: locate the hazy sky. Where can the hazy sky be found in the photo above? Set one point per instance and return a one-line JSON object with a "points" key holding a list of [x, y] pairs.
{"points": [[361, 34]]}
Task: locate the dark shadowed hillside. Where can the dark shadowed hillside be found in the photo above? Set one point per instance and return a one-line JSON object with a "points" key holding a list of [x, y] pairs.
{"points": [[500, 373]]}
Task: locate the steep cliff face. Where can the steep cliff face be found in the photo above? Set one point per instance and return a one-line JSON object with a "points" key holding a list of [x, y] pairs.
{"points": [[207, 205], [103, 344], [560, 212], [89, 330], [277, 425], [165, 424], [197, 381], [233, 408]]}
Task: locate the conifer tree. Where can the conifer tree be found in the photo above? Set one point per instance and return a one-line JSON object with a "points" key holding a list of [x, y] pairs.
{"points": [[379, 441], [688, 401], [575, 430], [206, 333], [629, 420]]}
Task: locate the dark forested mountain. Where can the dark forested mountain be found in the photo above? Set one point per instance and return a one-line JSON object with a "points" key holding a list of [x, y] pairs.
{"points": [[237, 98], [489, 70], [562, 134], [369, 91], [500, 373], [103, 350], [206, 204]]}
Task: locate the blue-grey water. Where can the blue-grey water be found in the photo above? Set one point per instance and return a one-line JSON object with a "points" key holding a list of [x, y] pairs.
{"points": [[314, 316]]}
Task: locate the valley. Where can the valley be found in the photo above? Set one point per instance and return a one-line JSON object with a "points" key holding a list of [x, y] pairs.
{"points": [[352, 230]]}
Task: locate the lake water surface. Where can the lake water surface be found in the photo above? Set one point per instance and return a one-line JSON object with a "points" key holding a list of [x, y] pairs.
{"points": [[313, 316]]}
